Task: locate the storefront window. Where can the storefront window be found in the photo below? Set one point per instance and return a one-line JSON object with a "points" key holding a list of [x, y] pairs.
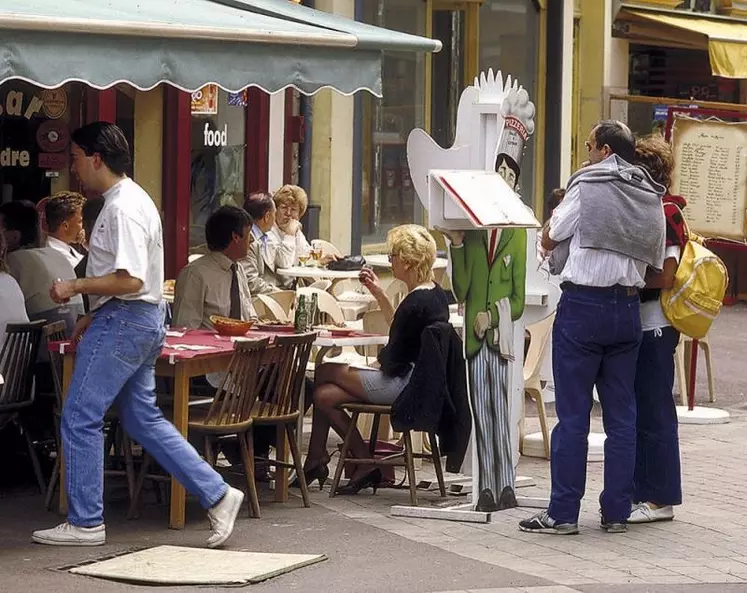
{"points": [[218, 145], [388, 197], [508, 42]]}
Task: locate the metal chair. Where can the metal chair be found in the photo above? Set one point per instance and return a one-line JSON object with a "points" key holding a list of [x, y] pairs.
{"points": [[17, 359]]}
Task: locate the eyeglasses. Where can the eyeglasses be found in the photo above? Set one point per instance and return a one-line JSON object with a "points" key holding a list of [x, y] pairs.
{"points": [[390, 257], [587, 144]]}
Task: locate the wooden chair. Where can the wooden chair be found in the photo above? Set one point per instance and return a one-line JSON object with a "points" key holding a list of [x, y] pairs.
{"points": [[17, 360], [116, 437], [404, 459], [540, 336], [682, 364], [230, 412], [277, 403]]}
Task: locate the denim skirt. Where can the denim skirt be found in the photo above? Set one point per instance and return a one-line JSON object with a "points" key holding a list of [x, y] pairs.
{"points": [[381, 389]]}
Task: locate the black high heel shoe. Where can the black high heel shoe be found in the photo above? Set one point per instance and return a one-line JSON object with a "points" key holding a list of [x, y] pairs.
{"points": [[370, 480], [318, 472]]}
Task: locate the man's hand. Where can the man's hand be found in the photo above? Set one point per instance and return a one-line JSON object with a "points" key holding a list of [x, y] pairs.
{"points": [[328, 257], [80, 327], [62, 290], [482, 323]]}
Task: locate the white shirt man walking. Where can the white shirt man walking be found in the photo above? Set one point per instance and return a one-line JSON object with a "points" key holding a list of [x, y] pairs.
{"points": [[124, 331]]}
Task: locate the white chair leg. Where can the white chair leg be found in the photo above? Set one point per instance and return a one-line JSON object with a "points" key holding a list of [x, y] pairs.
{"points": [[679, 366]]}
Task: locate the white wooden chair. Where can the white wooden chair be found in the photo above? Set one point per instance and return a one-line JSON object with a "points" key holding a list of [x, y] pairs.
{"points": [[540, 336], [396, 292], [682, 366], [270, 309], [285, 298]]}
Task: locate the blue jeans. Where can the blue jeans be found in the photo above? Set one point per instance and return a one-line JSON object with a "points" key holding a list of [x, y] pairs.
{"points": [[596, 337], [657, 467], [115, 363]]}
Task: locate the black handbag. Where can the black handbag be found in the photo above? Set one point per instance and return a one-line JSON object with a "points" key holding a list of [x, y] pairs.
{"points": [[349, 263]]}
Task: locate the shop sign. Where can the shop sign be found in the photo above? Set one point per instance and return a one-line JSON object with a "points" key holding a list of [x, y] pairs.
{"points": [[54, 161], [52, 136], [55, 103], [240, 99], [205, 101], [14, 102], [14, 158], [215, 137]]}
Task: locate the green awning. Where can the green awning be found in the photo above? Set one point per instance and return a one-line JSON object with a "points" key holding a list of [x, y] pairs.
{"points": [[271, 44]]}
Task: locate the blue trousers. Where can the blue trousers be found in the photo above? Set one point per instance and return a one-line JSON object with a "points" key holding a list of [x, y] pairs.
{"points": [[596, 337], [657, 468], [115, 364]]}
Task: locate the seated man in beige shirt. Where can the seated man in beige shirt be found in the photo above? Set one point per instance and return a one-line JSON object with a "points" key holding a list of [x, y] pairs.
{"points": [[216, 283]]}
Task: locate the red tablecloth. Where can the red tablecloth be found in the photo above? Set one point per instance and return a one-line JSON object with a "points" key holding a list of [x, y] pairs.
{"points": [[193, 337]]}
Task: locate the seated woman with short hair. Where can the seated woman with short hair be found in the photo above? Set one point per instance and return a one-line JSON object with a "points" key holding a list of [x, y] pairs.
{"points": [[412, 252]]}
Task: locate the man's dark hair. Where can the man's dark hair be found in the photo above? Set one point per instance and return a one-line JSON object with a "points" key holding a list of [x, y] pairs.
{"points": [[91, 210], [222, 224], [617, 136], [109, 141], [60, 207], [510, 163], [258, 204], [21, 216]]}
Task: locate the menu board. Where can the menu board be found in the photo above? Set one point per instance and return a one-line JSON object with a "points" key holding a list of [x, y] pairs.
{"points": [[711, 174]]}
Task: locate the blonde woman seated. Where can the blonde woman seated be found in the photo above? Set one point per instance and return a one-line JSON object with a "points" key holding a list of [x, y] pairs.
{"points": [[412, 252]]}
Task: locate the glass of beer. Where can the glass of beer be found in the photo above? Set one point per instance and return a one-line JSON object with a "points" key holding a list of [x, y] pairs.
{"points": [[303, 256], [316, 253]]}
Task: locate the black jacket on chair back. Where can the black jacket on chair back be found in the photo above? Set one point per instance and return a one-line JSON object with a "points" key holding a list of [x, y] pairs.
{"points": [[435, 399]]}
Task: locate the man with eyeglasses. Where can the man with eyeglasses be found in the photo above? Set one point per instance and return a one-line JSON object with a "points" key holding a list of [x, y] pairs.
{"points": [[606, 232]]}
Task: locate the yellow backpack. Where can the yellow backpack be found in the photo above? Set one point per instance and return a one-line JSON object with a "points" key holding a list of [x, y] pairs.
{"points": [[697, 294]]}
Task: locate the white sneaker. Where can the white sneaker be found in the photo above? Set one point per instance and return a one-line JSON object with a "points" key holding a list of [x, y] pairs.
{"points": [[70, 535], [223, 516], [643, 512]]}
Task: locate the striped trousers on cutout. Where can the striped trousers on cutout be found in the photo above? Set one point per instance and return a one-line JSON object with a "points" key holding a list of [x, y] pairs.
{"points": [[489, 395]]}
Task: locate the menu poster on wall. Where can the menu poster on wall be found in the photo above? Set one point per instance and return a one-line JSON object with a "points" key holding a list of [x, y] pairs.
{"points": [[205, 101], [711, 174]]}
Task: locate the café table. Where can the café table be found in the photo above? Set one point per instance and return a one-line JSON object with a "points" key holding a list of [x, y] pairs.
{"points": [[317, 273], [380, 260], [194, 353]]}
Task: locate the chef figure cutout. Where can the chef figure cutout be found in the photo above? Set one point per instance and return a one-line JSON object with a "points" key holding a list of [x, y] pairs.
{"points": [[488, 270]]}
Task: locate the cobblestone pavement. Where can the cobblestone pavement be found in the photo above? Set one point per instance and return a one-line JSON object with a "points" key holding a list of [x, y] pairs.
{"points": [[705, 544]]}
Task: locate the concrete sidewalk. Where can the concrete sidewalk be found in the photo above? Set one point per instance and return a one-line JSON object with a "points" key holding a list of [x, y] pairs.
{"points": [[702, 550]]}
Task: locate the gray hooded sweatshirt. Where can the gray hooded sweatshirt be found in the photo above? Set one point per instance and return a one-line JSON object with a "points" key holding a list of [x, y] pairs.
{"points": [[621, 211]]}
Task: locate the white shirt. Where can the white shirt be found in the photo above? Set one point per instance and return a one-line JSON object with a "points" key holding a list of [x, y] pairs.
{"points": [[72, 256], [591, 267], [13, 309], [128, 236], [652, 315], [289, 246]]}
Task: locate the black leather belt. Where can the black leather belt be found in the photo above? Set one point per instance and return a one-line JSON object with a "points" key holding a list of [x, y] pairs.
{"points": [[617, 289]]}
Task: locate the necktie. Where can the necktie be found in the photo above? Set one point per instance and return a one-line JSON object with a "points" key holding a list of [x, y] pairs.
{"points": [[235, 310], [493, 239]]}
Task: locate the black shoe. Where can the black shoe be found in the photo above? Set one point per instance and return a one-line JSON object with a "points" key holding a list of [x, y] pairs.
{"points": [[318, 472], [543, 523], [370, 480], [613, 526], [507, 499], [486, 503]]}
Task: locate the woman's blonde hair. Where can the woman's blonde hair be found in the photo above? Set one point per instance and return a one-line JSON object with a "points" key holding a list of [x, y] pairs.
{"points": [[293, 195], [415, 247], [654, 154]]}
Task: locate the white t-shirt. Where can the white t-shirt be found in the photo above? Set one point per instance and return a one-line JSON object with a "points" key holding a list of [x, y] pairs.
{"points": [[652, 315], [13, 309], [128, 236]]}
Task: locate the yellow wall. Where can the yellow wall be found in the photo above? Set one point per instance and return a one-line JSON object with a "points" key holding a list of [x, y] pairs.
{"points": [[588, 94], [149, 142]]}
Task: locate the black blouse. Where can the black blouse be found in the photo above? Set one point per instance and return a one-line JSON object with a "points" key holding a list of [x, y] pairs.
{"points": [[418, 310]]}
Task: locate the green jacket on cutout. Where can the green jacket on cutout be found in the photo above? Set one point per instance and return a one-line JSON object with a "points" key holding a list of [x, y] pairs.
{"points": [[480, 285]]}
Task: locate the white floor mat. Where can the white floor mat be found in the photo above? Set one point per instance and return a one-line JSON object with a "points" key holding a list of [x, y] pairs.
{"points": [[174, 565]]}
